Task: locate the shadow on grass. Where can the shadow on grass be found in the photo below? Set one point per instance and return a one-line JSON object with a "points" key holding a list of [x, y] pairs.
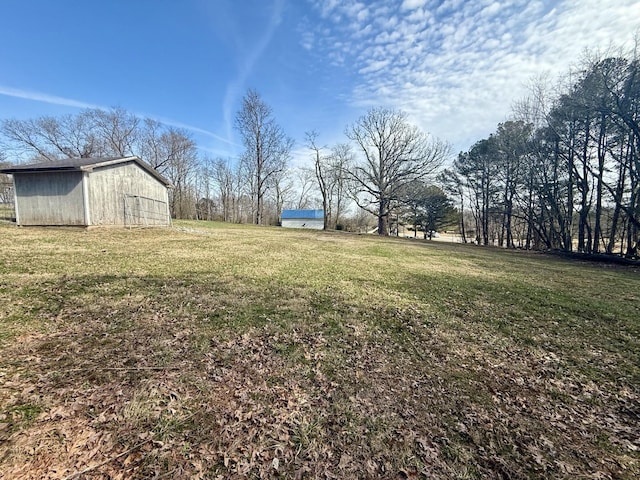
{"points": [[597, 333]]}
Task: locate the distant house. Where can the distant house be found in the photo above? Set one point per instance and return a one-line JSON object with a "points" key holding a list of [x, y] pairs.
{"points": [[90, 191], [303, 219]]}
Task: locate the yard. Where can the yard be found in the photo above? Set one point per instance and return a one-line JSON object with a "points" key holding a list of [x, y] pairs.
{"points": [[221, 351]]}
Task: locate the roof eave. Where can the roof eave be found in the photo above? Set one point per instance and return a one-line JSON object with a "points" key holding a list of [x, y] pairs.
{"points": [[114, 161], [37, 170], [91, 167]]}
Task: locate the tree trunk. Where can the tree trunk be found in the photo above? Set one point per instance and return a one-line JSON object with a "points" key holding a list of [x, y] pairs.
{"points": [[624, 162], [325, 212], [383, 218], [568, 227], [259, 201], [462, 229], [597, 231], [583, 241], [509, 215]]}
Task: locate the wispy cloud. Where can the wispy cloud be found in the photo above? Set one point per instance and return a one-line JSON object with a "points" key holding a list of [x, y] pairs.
{"points": [[43, 97], [191, 128], [69, 102], [237, 85], [456, 67]]}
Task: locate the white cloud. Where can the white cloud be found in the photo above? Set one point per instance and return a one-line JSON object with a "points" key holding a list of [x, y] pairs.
{"points": [[491, 10], [327, 6], [456, 68], [374, 67], [413, 4], [44, 97], [363, 32], [307, 39], [362, 15]]}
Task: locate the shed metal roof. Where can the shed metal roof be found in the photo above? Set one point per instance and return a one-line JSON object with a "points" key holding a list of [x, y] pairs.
{"points": [[83, 164], [303, 214]]}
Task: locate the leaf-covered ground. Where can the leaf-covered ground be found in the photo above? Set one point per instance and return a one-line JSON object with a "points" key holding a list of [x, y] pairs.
{"points": [[219, 351]]}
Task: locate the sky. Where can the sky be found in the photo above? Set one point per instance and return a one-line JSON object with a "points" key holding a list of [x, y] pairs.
{"points": [[454, 66]]}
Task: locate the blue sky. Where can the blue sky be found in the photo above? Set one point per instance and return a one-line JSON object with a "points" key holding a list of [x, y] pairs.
{"points": [[454, 66]]}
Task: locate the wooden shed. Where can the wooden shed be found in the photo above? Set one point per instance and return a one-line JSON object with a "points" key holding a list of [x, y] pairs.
{"points": [[303, 219], [90, 191]]}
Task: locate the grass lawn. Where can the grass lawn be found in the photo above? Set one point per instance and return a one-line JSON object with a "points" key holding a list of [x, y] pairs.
{"points": [[220, 351], [6, 212]]}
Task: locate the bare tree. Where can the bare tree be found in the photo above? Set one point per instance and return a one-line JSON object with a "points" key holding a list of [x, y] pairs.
{"points": [[81, 138], [151, 147], [52, 138], [322, 172], [90, 133], [305, 182], [267, 148], [6, 191], [454, 186], [225, 179], [30, 138], [206, 206], [394, 154], [181, 151], [331, 177], [117, 129], [172, 152], [283, 189], [340, 161]]}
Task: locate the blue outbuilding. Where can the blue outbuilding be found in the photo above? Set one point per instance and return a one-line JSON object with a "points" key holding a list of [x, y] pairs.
{"points": [[303, 219]]}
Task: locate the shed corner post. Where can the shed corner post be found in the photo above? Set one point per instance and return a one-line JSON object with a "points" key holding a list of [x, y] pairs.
{"points": [[168, 209], [15, 201], [85, 198]]}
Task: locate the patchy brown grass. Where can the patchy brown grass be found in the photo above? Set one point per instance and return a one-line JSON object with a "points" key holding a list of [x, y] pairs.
{"points": [[216, 351]]}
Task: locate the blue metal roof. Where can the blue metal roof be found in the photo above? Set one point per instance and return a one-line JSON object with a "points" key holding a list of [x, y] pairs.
{"points": [[302, 214]]}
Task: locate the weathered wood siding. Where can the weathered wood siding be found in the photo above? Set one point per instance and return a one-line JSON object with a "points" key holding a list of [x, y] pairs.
{"points": [[50, 198], [124, 194]]}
